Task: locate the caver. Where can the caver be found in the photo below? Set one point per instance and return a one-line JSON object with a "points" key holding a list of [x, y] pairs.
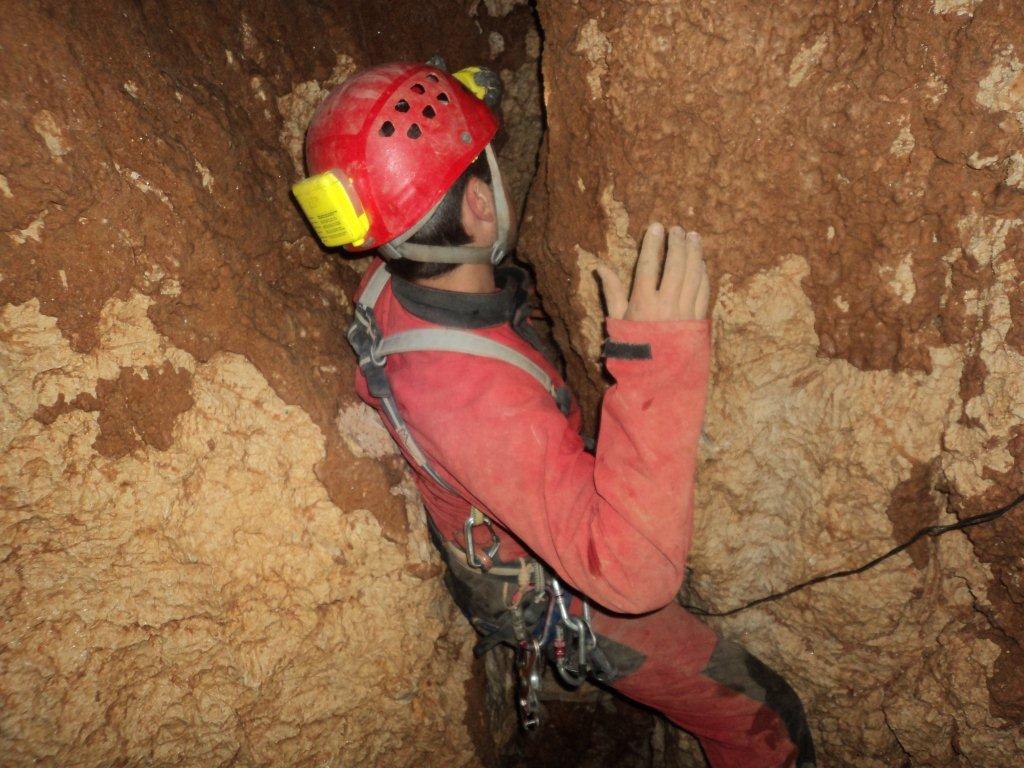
{"points": [[566, 552]]}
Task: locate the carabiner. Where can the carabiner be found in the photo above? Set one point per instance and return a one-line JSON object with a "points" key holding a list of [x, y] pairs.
{"points": [[476, 517], [578, 625], [527, 669]]}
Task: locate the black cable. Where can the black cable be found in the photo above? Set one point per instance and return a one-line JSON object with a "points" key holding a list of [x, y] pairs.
{"points": [[930, 531]]}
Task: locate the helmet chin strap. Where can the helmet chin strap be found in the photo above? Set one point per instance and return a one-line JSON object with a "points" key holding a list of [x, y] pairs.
{"points": [[399, 248]]}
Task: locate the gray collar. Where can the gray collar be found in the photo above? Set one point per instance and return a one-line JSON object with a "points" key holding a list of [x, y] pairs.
{"points": [[457, 309]]}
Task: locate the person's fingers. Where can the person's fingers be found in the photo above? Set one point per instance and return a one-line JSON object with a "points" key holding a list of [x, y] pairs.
{"points": [[700, 307], [675, 264], [691, 279], [648, 266], [614, 292]]}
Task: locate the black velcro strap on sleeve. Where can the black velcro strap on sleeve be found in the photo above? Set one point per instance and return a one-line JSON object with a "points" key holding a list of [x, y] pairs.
{"points": [[622, 350]]}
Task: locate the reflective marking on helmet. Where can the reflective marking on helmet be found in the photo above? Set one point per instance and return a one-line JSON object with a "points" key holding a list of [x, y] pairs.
{"points": [[333, 209], [468, 78]]}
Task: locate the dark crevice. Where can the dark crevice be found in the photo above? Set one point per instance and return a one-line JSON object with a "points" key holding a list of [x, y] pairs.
{"points": [[907, 760], [539, 317]]}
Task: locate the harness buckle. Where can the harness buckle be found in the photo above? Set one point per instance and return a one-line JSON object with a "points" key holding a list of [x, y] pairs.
{"points": [[365, 337]]}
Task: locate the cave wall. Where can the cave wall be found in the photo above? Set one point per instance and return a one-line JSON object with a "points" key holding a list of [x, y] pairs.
{"points": [[209, 552], [857, 171]]}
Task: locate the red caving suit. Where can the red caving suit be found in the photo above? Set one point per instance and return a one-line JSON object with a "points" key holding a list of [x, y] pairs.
{"points": [[615, 525]]}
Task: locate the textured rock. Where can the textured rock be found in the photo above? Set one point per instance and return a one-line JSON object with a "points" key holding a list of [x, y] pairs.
{"points": [[855, 169], [205, 601], [209, 554]]}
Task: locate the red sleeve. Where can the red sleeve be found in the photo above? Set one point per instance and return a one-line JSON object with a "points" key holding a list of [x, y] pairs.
{"points": [[615, 526]]}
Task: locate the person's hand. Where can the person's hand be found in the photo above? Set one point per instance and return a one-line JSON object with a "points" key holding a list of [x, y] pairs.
{"points": [[683, 291]]}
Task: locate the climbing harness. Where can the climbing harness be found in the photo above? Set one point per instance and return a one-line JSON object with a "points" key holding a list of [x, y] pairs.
{"points": [[521, 604]]}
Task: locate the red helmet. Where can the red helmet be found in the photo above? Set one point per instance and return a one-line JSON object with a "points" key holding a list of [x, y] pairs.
{"points": [[400, 135]]}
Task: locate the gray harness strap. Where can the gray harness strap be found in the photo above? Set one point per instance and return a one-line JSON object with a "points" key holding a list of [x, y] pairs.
{"points": [[373, 350], [450, 340], [374, 288]]}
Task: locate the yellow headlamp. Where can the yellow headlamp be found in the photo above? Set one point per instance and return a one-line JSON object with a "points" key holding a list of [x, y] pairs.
{"points": [[333, 209]]}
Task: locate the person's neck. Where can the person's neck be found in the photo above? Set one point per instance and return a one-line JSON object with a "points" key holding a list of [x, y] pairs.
{"points": [[466, 278]]}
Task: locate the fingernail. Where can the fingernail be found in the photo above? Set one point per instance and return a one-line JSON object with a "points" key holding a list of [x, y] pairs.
{"points": [[677, 231], [693, 236], [655, 226]]}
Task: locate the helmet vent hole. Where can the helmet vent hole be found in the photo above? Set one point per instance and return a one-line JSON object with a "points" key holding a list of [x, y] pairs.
{"points": [[387, 128], [414, 131], [418, 88], [402, 106], [432, 78], [428, 112], [442, 97]]}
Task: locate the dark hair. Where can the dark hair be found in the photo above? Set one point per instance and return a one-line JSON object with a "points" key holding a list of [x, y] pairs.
{"points": [[444, 227]]}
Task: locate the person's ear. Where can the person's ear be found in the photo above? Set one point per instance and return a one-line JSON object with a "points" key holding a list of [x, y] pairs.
{"points": [[479, 199]]}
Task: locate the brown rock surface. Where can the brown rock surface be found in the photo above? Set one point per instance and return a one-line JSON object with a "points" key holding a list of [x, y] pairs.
{"points": [[208, 553], [857, 170]]}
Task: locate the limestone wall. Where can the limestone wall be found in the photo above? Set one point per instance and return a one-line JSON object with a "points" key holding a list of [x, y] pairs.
{"points": [[856, 170], [209, 554]]}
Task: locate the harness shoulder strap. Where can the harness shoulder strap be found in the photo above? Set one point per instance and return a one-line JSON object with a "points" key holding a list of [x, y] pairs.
{"points": [[451, 340], [365, 337], [374, 288], [373, 349]]}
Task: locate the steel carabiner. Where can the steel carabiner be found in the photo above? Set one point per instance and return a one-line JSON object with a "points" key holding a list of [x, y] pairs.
{"points": [[527, 670], [476, 517]]}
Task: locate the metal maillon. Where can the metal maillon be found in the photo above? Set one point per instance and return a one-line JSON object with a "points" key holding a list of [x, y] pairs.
{"points": [[570, 638]]}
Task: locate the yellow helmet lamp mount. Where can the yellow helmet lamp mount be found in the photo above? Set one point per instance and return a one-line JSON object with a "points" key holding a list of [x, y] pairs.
{"points": [[333, 208], [483, 83]]}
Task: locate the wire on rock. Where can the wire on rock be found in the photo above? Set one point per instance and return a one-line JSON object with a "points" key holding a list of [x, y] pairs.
{"points": [[930, 531]]}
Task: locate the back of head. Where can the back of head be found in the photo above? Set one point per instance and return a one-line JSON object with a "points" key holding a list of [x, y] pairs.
{"points": [[444, 227]]}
